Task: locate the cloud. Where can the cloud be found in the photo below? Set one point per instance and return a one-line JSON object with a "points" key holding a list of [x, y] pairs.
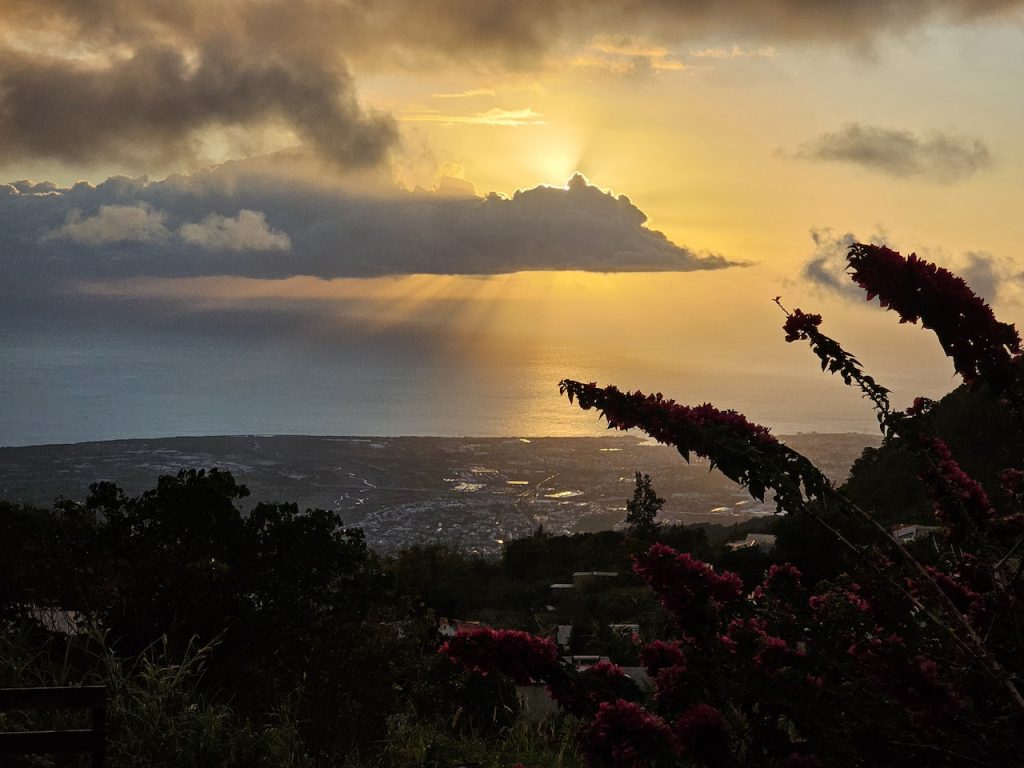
{"points": [[736, 52], [154, 104], [246, 232], [143, 83], [826, 267], [624, 55], [472, 93], [508, 118], [113, 224], [984, 273], [938, 157], [27, 187], [140, 223], [243, 220]]}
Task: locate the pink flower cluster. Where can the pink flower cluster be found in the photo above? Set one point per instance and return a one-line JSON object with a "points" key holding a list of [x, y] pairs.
{"points": [[962, 595], [686, 585], [687, 427], [968, 587], [919, 406], [522, 656], [659, 654], [800, 325], [768, 652], [782, 583], [582, 694], [666, 664], [914, 681], [674, 688], [920, 291], [744, 452], [959, 500], [625, 735], [839, 599]]}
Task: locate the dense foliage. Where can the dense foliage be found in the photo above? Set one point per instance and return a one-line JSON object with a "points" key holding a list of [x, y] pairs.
{"points": [[292, 608], [890, 654], [275, 637]]}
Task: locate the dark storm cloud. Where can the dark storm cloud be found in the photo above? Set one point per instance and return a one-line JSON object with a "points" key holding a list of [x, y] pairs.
{"points": [[147, 78], [151, 105], [227, 221], [938, 157]]}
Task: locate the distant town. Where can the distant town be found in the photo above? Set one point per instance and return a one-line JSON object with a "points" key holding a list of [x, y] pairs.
{"points": [[471, 493]]}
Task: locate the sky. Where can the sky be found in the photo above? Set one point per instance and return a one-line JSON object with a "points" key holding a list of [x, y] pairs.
{"points": [[398, 217]]}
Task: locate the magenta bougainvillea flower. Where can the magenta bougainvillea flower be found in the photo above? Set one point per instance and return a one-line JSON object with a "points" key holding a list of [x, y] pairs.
{"points": [[625, 735], [799, 324], [522, 656], [781, 582], [660, 654], [688, 587], [664, 419], [959, 500], [919, 291], [745, 452]]}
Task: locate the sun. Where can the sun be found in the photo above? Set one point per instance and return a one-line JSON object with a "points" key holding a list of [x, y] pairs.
{"points": [[554, 164]]}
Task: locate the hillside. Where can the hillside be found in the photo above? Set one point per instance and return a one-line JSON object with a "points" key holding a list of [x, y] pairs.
{"points": [[474, 493]]}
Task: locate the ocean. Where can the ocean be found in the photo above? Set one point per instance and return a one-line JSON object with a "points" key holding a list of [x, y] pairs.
{"points": [[63, 388]]}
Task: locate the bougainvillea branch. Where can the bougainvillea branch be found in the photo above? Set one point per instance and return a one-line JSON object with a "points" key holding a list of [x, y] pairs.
{"points": [[744, 452], [749, 455], [959, 500], [919, 291], [800, 326]]}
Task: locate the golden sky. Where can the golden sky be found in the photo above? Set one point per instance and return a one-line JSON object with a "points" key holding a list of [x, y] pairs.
{"points": [[363, 172]]}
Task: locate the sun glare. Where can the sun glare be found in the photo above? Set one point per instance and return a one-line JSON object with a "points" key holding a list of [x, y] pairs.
{"points": [[554, 165]]}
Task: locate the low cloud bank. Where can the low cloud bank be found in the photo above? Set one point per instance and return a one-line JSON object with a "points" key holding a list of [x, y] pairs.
{"points": [[219, 222]]}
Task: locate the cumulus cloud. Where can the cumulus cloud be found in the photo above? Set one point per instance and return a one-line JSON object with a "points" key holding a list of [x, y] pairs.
{"points": [[246, 232], [140, 223], [937, 157], [240, 220], [141, 82], [113, 224]]}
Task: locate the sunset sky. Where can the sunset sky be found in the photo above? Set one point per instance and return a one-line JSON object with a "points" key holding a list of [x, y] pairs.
{"points": [[416, 217]]}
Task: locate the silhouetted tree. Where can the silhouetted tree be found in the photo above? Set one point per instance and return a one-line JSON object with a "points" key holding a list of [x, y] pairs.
{"points": [[644, 506]]}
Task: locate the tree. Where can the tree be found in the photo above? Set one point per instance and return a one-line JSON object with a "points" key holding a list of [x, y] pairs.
{"points": [[292, 609], [887, 661], [644, 506]]}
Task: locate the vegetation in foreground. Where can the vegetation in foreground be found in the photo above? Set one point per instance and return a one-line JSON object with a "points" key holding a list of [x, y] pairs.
{"points": [[279, 638]]}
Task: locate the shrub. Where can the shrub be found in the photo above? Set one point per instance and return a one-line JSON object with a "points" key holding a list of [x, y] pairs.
{"points": [[887, 662]]}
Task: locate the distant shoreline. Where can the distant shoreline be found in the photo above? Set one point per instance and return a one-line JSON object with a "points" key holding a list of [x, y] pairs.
{"points": [[370, 438]]}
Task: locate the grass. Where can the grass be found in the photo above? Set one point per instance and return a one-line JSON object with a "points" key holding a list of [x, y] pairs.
{"points": [[158, 717]]}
